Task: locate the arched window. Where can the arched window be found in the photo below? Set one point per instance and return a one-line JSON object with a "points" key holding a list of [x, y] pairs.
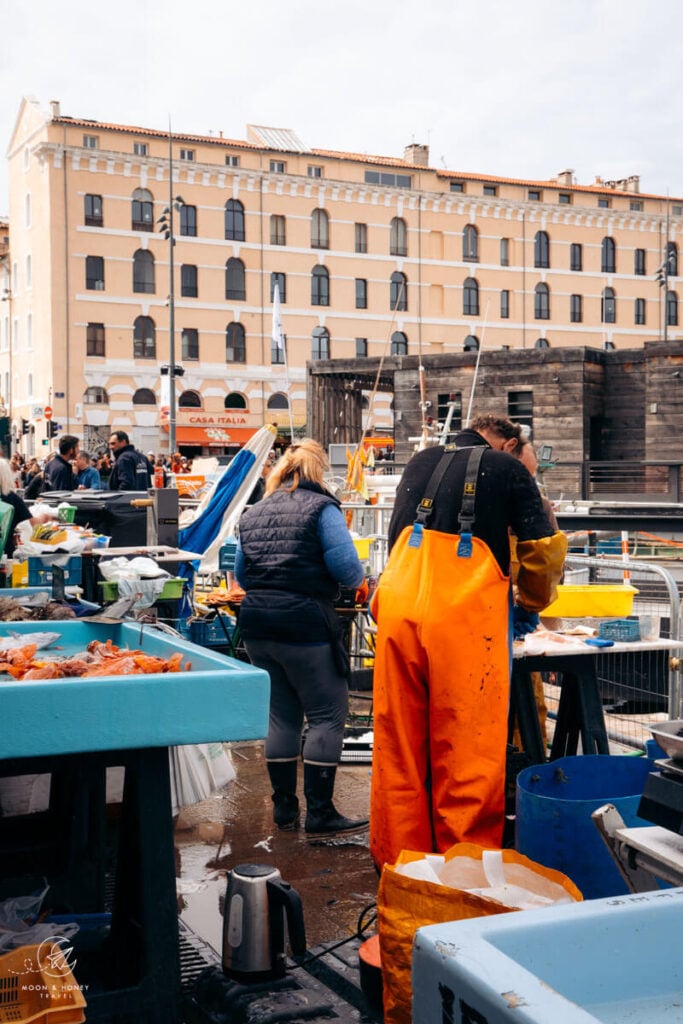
{"points": [[320, 286], [320, 230], [398, 238], [542, 302], [609, 256], [672, 255], [398, 291], [470, 297], [541, 249], [235, 344], [542, 343], [672, 309], [608, 306], [144, 338], [144, 396], [470, 243], [234, 220], [278, 401], [320, 343], [143, 272], [235, 283], [95, 396], [190, 400], [142, 210], [471, 343], [399, 344], [235, 401]]}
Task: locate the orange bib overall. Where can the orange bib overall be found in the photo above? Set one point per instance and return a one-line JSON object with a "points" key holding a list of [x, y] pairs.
{"points": [[441, 689]]}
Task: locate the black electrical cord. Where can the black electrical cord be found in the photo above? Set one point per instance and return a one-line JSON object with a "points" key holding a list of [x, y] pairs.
{"points": [[360, 933]]}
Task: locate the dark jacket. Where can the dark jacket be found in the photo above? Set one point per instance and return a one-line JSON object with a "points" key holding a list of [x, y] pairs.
{"points": [[289, 592], [59, 476], [507, 497], [130, 471]]}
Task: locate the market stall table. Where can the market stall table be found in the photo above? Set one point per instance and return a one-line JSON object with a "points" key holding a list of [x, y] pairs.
{"points": [[75, 729], [580, 710]]}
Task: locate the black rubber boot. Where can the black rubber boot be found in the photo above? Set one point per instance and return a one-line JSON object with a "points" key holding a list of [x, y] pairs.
{"points": [[285, 803], [322, 817]]}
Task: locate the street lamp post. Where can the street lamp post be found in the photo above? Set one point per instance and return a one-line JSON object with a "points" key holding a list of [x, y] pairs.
{"points": [[167, 229]]}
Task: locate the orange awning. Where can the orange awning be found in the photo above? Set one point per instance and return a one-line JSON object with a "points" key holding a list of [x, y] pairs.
{"points": [[212, 437]]}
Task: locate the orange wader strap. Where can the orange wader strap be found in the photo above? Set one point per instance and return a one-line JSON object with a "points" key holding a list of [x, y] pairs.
{"points": [[466, 516]]}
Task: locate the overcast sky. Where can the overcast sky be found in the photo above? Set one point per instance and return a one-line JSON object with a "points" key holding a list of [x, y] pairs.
{"points": [[524, 88]]}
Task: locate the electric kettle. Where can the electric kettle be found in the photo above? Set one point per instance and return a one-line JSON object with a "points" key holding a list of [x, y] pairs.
{"points": [[256, 904]]}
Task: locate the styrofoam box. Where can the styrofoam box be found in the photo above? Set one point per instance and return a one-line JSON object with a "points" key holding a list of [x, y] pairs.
{"points": [[610, 960]]}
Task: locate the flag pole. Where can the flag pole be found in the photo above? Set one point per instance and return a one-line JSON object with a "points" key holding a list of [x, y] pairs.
{"points": [[280, 342]]}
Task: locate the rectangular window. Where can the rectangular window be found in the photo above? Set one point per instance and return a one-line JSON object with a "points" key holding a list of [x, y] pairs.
{"points": [[521, 407], [94, 340], [91, 142], [361, 348], [189, 342], [277, 229], [188, 281], [505, 304], [280, 280], [450, 405], [677, 211], [639, 262], [533, 195], [188, 220], [140, 149], [635, 205], [361, 293], [320, 346], [604, 204], [490, 190], [361, 237], [576, 256], [187, 154], [390, 180], [639, 312], [93, 211], [277, 167], [94, 273], [576, 309], [232, 160], [505, 252], [314, 171], [457, 186], [564, 198]]}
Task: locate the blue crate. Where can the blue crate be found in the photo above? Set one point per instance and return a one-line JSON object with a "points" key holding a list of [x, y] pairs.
{"points": [[40, 572], [620, 629], [209, 632], [226, 555]]}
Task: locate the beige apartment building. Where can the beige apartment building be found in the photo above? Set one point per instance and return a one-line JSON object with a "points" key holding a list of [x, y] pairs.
{"points": [[372, 256]]}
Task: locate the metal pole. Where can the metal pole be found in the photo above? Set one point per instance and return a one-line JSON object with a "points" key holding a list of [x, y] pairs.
{"points": [[171, 306], [666, 276]]}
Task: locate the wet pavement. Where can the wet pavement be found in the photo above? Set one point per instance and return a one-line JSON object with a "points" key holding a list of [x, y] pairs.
{"points": [[334, 877]]}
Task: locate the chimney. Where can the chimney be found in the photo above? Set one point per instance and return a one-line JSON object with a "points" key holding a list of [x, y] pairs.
{"points": [[416, 155], [566, 177], [633, 183], [55, 110]]}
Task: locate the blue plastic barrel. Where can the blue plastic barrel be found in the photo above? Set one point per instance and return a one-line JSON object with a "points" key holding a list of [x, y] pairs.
{"points": [[553, 817]]}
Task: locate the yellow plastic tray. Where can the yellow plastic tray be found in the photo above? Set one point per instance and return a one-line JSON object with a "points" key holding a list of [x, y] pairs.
{"points": [[576, 601], [37, 988]]}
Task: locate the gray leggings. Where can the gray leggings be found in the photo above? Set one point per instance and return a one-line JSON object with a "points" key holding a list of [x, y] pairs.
{"points": [[303, 682]]}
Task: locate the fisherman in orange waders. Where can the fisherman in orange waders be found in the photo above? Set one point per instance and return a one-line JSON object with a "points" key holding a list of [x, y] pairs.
{"points": [[444, 628]]}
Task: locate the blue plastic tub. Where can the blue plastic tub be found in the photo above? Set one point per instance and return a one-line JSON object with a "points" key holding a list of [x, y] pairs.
{"points": [[553, 818]]}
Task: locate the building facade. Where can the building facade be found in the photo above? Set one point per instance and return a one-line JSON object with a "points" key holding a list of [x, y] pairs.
{"points": [[372, 257]]}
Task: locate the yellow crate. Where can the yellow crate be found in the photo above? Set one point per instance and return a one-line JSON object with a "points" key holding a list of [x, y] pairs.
{"points": [[362, 545], [37, 986], [576, 601]]}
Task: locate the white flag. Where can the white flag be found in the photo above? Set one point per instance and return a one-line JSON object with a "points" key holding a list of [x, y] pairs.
{"points": [[277, 323]]}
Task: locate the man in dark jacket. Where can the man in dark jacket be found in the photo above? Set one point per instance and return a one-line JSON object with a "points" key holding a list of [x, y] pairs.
{"points": [[131, 468], [442, 661], [59, 474]]}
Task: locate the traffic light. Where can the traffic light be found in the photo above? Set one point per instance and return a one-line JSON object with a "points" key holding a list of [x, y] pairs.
{"points": [[52, 429], [24, 426], [661, 275]]}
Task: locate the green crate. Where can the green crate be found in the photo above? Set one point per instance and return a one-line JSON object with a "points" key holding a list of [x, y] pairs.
{"points": [[173, 588], [620, 629]]}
